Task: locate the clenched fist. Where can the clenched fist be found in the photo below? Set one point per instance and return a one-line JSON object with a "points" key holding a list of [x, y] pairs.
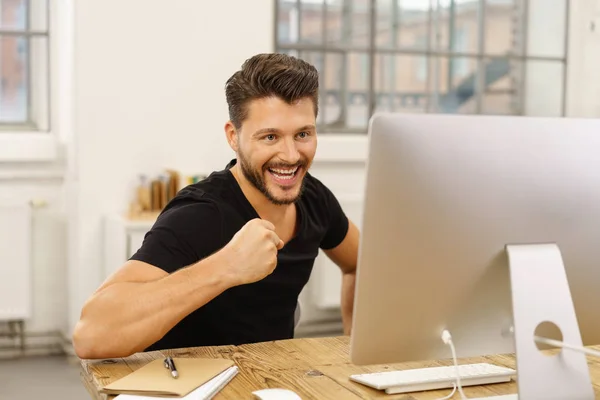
{"points": [[252, 252]]}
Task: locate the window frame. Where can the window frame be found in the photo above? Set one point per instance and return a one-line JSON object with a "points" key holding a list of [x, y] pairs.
{"points": [[32, 141], [430, 53]]}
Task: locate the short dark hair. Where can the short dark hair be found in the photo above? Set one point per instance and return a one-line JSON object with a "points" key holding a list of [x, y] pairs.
{"points": [[270, 74]]}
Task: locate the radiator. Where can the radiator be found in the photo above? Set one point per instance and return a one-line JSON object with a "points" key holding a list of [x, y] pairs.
{"points": [[15, 262]]}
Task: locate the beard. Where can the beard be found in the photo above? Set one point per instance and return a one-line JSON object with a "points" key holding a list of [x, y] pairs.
{"points": [[256, 177]]}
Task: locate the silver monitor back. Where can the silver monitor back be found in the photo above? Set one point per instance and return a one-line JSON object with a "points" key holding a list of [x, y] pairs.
{"points": [[444, 195]]}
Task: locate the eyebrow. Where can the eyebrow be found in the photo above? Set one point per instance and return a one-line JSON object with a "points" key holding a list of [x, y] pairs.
{"points": [[275, 130]]}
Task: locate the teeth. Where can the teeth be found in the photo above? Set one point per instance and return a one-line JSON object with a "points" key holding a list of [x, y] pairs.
{"points": [[284, 174], [284, 177], [284, 171]]}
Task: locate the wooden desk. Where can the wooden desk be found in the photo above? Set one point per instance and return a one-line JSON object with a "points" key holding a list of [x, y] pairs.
{"points": [[316, 368]]}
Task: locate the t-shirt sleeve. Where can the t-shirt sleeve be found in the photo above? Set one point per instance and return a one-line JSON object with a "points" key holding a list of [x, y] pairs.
{"points": [[337, 219], [182, 236]]}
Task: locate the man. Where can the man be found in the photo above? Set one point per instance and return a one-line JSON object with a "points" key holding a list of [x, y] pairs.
{"points": [[227, 258]]}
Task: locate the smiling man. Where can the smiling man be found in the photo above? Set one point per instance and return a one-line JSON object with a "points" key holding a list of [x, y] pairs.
{"points": [[227, 258]]}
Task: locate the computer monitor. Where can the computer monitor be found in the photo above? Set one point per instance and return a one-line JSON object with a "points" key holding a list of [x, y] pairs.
{"points": [[444, 196]]}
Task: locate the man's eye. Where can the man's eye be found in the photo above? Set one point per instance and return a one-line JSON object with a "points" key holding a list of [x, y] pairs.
{"points": [[302, 135], [270, 137]]}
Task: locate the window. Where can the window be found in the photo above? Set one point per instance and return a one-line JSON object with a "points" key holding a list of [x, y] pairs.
{"points": [[443, 56], [460, 65], [24, 71], [422, 61]]}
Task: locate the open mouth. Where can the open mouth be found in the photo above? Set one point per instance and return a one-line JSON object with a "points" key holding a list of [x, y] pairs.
{"points": [[284, 173]]}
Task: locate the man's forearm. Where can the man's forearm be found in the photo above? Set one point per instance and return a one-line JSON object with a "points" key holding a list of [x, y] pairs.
{"points": [[347, 302], [127, 317]]}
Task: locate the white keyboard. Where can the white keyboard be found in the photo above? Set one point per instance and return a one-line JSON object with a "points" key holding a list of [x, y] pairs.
{"points": [[434, 378]]}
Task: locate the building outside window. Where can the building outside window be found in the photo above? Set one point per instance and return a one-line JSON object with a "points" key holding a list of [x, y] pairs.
{"points": [[24, 70], [443, 56]]}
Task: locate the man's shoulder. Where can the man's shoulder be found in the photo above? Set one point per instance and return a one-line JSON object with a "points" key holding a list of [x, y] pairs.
{"points": [[214, 187], [315, 190], [200, 200], [186, 211]]}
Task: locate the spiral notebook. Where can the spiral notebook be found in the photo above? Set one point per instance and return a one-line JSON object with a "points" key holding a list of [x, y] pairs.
{"points": [[154, 380]]}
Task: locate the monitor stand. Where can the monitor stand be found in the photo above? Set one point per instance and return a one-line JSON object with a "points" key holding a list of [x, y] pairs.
{"points": [[540, 293]]}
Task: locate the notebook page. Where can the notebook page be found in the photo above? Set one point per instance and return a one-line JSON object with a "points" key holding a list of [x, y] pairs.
{"points": [[204, 392], [214, 386]]}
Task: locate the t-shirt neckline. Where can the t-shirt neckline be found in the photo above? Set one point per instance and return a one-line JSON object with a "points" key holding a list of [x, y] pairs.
{"points": [[252, 210]]}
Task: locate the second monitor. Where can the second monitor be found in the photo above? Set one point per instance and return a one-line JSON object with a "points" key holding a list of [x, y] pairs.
{"points": [[444, 196]]}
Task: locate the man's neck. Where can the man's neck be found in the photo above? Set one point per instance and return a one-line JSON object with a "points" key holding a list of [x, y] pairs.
{"points": [[264, 207]]}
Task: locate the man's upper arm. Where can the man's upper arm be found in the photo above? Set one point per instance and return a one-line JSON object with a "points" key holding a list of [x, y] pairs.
{"points": [[341, 240], [337, 221], [345, 254], [180, 237]]}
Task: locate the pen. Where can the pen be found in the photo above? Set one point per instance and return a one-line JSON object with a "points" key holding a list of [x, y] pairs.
{"points": [[169, 363]]}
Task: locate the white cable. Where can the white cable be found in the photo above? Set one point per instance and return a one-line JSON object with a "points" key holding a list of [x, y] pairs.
{"points": [[447, 339], [450, 395], [556, 343]]}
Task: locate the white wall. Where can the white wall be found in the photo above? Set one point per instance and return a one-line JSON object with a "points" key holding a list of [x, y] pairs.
{"points": [[149, 94]]}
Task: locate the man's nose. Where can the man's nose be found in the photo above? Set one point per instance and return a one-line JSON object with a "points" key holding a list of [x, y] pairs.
{"points": [[289, 152]]}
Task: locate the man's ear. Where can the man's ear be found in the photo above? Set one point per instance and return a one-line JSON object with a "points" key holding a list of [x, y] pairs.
{"points": [[232, 137]]}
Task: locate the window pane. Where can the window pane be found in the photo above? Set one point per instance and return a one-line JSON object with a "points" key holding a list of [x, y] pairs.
{"points": [[458, 26], [348, 22], [399, 24], [543, 88], [501, 96], [451, 27], [332, 78], [293, 53], [453, 85], [13, 79], [498, 104], [24, 15], [300, 21], [457, 85], [39, 107], [546, 28], [286, 23], [401, 83], [387, 18], [316, 59], [413, 31], [13, 14], [311, 22], [344, 80], [357, 99], [345, 102], [503, 28], [38, 15]]}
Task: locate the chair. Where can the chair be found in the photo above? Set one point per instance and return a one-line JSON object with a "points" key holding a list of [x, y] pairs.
{"points": [[297, 314]]}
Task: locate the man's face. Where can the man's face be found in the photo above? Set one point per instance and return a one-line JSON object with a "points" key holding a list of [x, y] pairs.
{"points": [[276, 146]]}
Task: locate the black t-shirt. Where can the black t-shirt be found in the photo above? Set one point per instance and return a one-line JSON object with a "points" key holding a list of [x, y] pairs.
{"points": [[201, 220]]}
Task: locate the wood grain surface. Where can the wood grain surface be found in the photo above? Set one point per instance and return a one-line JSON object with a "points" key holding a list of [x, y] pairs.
{"points": [[315, 368]]}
